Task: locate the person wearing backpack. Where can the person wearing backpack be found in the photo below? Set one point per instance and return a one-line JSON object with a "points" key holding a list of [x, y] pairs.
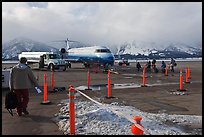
{"points": [[172, 64], [20, 81], [163, 67]]}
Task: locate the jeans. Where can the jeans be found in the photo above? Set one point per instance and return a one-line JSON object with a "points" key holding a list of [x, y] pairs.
{"points": [[23, 98]]}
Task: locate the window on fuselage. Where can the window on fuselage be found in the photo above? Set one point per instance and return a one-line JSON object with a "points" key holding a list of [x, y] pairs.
{"points": [[102, 51]]}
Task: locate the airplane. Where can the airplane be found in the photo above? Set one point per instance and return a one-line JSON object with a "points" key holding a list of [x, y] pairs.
{"points": [[89, 56]]}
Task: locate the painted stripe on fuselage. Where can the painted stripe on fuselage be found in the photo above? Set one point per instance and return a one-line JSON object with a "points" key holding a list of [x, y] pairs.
{"points": [[88, 54]]}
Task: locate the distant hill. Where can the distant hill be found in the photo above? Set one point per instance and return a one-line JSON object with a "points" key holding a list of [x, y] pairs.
{"points": [[126, 50], [12, 48]]}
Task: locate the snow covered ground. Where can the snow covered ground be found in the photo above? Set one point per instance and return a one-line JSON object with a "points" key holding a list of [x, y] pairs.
{"points": [[115, 119]]}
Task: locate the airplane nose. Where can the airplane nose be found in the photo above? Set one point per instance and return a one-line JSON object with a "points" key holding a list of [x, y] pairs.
{"points": [[111, 58], [107, 58]]}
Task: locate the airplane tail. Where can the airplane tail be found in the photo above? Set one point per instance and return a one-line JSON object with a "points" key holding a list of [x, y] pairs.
{"points": [[67, 44]]}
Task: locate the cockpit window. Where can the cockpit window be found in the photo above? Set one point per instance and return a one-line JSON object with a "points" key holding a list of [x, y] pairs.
{"points": [[102, 51]]}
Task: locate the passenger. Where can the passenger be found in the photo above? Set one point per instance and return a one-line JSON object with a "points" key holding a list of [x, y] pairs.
{"points": [[107, 66], [22, 79], [172, 64], [148, 66], [138, 66], [163, 66], [154, 65]]}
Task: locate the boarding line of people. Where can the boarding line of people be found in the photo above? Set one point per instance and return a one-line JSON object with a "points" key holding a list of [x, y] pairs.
{"points": [[151, 67]]}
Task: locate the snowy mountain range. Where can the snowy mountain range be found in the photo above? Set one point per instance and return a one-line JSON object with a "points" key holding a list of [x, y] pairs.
{"points": [[12, 48], [156, 50], [128, 50]]}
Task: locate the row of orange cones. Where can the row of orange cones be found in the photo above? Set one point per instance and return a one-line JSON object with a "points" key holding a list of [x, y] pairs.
{"points": [[136, 128], [166, 74], [109, 94]]}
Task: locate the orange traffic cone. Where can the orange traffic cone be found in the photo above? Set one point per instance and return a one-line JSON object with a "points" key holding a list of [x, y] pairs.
{"points": [[189, 73], [52, 81], [187, 76], [144, 77], [71, 110], [88, 80], [137, 128], [166, 70], [181, 82], [45, 101]]}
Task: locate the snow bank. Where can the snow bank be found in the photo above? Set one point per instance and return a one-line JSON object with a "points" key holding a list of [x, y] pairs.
{"points": [[115, 119]]}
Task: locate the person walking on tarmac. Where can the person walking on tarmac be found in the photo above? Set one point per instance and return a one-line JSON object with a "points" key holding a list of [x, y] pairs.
{"points": [[148, 66], [153, 65], [138, 66], [163, 66], [21, 80], [172, 64]]}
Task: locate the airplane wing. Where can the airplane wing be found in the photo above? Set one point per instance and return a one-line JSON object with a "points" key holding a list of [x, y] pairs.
{"points": [[72, 60]]}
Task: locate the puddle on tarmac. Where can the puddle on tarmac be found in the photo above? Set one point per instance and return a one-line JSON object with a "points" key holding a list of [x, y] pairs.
{"points": [[113, 86], [121, 86], [128, 77]]}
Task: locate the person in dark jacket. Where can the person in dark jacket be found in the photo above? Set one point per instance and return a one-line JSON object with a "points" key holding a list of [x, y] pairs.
{"points": [[163, 66], [21, 80], [148, 66], [138, 66], [172, 64], [153, 64]]}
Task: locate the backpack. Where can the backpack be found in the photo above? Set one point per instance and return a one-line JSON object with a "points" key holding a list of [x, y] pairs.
{"points": [[156, 70], [11, 101]]}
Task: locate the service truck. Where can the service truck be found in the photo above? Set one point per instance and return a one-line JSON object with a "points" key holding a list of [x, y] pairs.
{"points": [[5, 78], [48, 60]]}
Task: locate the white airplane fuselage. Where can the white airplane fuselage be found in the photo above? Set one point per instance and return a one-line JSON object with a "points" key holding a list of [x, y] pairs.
{"points": [[96, 54]]}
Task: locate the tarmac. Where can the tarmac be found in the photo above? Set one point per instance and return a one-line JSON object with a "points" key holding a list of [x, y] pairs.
{"points": [[38, 122], [153, 99]]}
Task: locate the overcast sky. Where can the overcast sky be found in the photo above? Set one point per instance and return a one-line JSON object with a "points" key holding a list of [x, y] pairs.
{"points": [[103, 23]]}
